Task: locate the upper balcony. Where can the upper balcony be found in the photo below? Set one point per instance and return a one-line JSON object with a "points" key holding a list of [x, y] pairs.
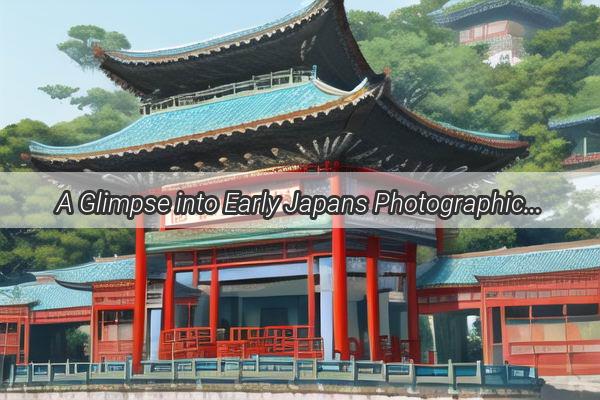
{"points": [[257, 83]]}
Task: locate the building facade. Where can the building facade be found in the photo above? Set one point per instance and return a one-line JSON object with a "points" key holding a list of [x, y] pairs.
{"points": [[534, 305], [502, 25], [582, 131], [292, 95]]}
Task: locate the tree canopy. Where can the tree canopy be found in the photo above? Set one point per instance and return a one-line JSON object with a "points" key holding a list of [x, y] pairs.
{"points": [[82, 38], [59, 92]]}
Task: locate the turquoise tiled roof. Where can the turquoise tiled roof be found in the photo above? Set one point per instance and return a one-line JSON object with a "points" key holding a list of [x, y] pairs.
{"points": [[96, 271], [205, 117], [44, 296], [219, 39], [586, 117], [51, 295], [449, 271]]}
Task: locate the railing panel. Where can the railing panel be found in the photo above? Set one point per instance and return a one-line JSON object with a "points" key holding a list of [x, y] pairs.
{"points": [[278, 368]]}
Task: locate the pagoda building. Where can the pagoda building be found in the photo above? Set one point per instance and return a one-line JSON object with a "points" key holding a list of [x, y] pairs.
{"points": [[535, 305], [582, 131], [502, 25], [292, 95]]}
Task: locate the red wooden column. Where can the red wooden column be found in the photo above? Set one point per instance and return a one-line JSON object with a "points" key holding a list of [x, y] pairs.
{"points": [[311, 294], [373, 297], [214, 299], [439, 239], [169, 295], [412, 301], [139, 308], [340, 293], [26, 338]]}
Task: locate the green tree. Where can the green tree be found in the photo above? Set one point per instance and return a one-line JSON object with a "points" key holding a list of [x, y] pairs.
{"points": [[82, 38], [588, 95], [96, 99], [59, 92]]}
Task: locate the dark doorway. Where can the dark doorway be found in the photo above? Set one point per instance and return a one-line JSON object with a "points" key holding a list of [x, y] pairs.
{"points": [[58, 342], [273, 316]]}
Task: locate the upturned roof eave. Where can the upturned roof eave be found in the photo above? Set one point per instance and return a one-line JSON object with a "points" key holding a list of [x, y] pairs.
{"points": [[120, 66], [351, 100]]}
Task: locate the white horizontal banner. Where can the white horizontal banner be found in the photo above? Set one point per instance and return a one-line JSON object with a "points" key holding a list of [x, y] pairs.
{"points": [[294, 200]]}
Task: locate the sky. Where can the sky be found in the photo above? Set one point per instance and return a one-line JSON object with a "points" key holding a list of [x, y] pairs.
{"points": [[30, 30]]}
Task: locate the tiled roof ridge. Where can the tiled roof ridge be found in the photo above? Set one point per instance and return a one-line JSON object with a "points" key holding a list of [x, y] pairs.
{"points": [[575, 119], [95, 260], [487, 278], [547, 247], [114, 258], [218, 43]]}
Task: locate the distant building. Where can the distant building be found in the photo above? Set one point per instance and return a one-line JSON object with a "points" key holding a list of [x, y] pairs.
{"points": [[501, 24], [582, 130]]}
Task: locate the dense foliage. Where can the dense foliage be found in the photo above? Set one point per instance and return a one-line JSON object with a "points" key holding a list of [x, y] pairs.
{"points": [[35, 249], [434, 75], [105, 112]]}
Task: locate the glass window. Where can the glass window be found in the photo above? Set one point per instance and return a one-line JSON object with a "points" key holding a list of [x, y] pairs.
{"points": [[192, 300], [204, 257], [250, 253], [496, 325], [297, 249], [554, 310], [357, 307], [582, 309], [183, 259], [517, 312]]}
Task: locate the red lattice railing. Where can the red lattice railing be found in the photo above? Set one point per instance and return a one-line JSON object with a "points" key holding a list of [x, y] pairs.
{"points": [[186, 343], [114, 350], [290, 341]]}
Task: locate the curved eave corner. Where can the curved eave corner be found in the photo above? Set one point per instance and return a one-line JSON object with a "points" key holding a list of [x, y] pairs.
{"points": [[337, 100], [509, 142], [588, 117]]}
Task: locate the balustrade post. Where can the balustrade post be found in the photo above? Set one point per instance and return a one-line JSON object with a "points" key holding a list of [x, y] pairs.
{"points": [[87, 374], [11, 375], [295, 369], [49, 366], [412, 376], [451, 378], [481, 373], [173, 372], [128, 369]]}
